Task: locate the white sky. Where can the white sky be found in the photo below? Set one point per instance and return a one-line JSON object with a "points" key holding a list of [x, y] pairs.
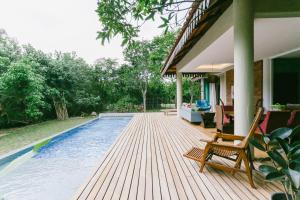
{"points": [[63, 25]]}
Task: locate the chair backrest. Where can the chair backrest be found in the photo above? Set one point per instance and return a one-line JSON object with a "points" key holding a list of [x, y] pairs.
{"points": [[258, 104], [221, 102], [226, 107], [244, 143], [219, 117], [294, 119], [277, 119]]}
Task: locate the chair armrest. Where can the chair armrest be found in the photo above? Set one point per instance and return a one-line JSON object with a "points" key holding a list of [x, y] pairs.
{"points": [[207, 140], [214, 138], [226, 146], [230, 137]]}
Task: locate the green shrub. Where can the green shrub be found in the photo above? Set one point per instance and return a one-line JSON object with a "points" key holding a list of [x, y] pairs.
{"points": [[283, 148]]}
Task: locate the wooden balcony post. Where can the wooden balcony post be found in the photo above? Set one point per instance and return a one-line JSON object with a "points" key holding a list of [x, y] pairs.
{"points": [[243, 65]]}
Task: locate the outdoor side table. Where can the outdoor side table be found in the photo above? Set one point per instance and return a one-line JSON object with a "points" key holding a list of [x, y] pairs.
{"points": [[208, 120]]}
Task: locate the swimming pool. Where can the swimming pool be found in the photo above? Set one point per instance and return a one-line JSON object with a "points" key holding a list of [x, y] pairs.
{"points": [[56, 168]]}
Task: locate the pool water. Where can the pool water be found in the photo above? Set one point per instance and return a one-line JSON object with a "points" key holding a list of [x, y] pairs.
{"points": [[56, 170]]}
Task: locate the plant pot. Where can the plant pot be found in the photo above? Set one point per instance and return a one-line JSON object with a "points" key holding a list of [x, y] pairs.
{"points": [[280, 196]]}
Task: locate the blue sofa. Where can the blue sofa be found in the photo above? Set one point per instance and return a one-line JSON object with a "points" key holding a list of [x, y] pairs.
{"points": [[190, 114]]}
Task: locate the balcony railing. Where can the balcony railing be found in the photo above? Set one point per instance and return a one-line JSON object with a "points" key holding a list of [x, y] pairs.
{"points": [[188, 29]]}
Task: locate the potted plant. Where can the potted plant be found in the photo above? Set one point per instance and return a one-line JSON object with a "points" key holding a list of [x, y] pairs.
{"points": [[283, 149], [278, 107]]}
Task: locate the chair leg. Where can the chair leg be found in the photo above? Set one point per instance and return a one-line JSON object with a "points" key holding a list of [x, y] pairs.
{"points": [[237, 164], [248, 169], [201, 167], [203, 159]]}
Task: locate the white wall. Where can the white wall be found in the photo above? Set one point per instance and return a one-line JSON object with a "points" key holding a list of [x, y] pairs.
{"points": [[267, 84]]}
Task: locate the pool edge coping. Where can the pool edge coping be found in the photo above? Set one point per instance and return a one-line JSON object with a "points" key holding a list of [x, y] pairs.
{"points": [[30, 146]]}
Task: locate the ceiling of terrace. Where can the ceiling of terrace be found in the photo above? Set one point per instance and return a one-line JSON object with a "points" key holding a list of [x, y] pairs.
{"points": [[272, 36]]}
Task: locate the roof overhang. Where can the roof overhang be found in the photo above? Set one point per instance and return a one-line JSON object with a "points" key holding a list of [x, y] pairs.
{"points": [[272, 36], [276, 23]]}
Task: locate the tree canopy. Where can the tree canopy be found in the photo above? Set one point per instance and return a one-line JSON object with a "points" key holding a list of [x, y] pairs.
{"points": [[126, 18], [22, 93], [35, 86]]}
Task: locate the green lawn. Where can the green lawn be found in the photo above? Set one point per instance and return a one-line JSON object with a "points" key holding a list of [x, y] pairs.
{"points": [[15, 138]]}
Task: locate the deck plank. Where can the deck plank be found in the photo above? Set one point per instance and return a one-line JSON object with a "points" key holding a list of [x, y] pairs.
{"points": [[146, 162], [157, 194], [109, 190], [100, 187], [124, 182], [240, 186], [88, 186]]}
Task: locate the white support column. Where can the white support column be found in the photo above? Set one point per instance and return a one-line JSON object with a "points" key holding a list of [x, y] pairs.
{"points": [[223, 88], [178, 90], [243, 65], [202, 89], [267, 84]]}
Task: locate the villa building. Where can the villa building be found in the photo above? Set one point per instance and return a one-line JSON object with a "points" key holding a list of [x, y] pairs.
{"points": [[252, 46]]}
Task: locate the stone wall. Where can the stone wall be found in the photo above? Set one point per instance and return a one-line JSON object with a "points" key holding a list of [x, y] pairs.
{"points": [[258, 82], [229, 84]]}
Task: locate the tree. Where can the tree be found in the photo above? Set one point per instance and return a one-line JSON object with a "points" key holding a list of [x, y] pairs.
{"points": [[105, 76], [10, 51], [126, 18], [138, 57], [66, 80], [36, 86], [144, 59], [21, 94], [190, 90]]}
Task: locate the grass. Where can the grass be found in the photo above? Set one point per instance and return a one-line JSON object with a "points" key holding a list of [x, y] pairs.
{"points": [[15, 138]]}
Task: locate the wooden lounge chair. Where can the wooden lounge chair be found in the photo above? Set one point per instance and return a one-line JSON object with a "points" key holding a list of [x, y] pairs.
{"points": [[233, 152]]}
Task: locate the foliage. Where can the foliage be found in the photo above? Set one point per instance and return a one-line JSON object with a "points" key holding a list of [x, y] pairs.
{"points": [[283, 147], [145, 59], [191, 91], [68, 84], [9, 51], [21, 94], [36, 86], [278, 107], [126, 18], [40, 145], [125, 104]]}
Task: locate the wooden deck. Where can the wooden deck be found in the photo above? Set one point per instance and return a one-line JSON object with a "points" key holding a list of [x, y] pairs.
{"points": [[146, 162]]}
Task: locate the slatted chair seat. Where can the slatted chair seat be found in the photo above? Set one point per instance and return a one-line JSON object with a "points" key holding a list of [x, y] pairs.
{"points": [[223, 152], [195, 154], [230, 151]]}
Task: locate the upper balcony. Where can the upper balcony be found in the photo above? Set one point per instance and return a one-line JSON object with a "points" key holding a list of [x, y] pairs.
{"points": [[202, 16]]}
